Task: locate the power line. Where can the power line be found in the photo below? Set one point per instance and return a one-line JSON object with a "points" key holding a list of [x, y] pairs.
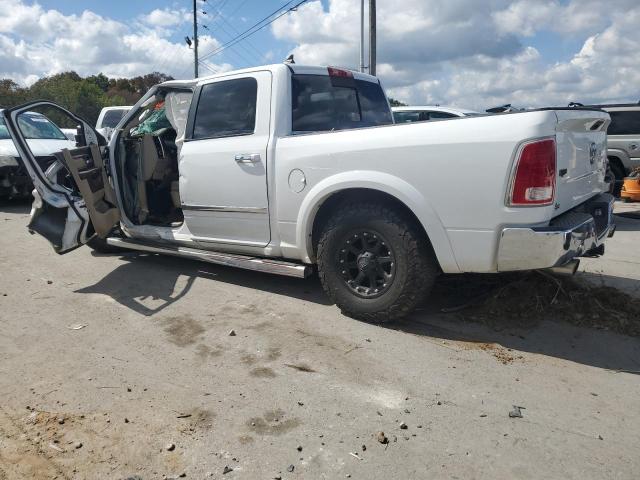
{"points": [[219, 16], [256, 27], [209, 67], [220, 27]]}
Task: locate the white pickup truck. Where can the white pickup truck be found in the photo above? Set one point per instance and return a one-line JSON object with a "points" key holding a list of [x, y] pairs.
{"points": [[283, 167]]}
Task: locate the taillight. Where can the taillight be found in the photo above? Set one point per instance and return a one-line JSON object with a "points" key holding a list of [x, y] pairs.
{"points": [[338, 72], [534, 179]]}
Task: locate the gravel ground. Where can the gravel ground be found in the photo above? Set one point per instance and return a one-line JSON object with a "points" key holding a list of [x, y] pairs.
{"points": [[123, 367]]}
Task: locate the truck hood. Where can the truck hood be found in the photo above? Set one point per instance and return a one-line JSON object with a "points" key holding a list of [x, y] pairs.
{"points": [[37, 146]]}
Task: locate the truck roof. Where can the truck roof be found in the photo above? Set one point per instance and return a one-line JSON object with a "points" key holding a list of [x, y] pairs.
{"points": [[434, 108], [295, 68]]}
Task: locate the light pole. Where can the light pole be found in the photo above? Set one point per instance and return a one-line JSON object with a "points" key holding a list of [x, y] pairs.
{"points": [[372, 37], [362, 36], [195, 39]]}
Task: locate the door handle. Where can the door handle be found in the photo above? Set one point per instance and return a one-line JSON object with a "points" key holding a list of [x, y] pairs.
{"points": [[247, 158]]}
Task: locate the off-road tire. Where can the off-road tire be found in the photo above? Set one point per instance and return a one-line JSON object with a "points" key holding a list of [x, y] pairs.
{"points": [[415, 265], [100, 245]]}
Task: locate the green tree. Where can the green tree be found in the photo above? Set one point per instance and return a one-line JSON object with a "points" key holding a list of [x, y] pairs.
{"points": [[83, 96], [11, 94], [101, 80]]}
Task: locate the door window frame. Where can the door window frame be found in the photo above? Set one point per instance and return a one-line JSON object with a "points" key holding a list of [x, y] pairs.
{"points": [[196, 100]]}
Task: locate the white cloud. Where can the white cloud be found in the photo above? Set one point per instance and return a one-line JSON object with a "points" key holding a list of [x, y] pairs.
{"points": [[35, 42], [165, 17], [475, 54]]}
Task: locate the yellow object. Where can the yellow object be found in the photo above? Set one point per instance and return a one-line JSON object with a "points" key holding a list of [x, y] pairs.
{"points": [[631, 189]]}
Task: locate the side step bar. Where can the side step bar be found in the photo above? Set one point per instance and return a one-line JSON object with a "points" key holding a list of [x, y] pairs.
{"points": [[267, 265]]}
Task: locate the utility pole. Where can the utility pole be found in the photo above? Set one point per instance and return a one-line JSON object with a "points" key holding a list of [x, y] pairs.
{"points": [[195, 39], [372, 37], [362, 35]]}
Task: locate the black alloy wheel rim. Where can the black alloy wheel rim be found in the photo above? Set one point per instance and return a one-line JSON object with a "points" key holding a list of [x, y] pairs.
{"points": [[367, 263]]}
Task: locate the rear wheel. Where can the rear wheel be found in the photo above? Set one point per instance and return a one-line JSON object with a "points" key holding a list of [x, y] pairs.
{"points": [[374, 262]]}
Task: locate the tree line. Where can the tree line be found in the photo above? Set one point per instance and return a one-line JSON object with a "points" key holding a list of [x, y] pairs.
{"points": [[83, 96]]}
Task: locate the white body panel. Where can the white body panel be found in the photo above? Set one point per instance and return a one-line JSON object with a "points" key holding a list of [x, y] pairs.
{"points": [[223, 181]]}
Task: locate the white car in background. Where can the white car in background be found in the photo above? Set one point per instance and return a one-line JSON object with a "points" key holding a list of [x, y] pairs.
{"points": [[425, 113], [43, 137], [70, 133], [109, 118]]}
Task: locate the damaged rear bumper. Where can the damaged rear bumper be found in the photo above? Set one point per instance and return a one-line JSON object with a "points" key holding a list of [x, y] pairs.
{"points": [[577, 233]]}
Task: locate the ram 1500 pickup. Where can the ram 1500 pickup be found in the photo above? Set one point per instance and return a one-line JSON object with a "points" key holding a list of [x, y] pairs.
{"points": [[283, 167]]}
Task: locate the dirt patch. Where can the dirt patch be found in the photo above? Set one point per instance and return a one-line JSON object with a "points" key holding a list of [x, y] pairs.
{"points": [[205, 352], [272, 423], [273, 354], [259, 327], [249, 359], [263, 372], [183, 331], [270, 355], [523, 300], [196, 418], [504, 355], [301, 368]]}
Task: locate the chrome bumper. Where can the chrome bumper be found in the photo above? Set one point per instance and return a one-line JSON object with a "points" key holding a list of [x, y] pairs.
{"points": [[579, 232]]}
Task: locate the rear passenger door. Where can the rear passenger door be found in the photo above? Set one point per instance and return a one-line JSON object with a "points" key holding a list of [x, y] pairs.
{"points": [[223, 162]]}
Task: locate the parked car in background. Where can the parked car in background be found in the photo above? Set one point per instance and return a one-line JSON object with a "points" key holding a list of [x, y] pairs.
{"points": [[70, 133], [631, 187], [422, 114], [283, 167], [109, 118], [623, 138], [43, 137]]}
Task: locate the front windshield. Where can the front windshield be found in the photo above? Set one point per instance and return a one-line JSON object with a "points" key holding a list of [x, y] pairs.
{"points": [[36, 126], [4, 133]]}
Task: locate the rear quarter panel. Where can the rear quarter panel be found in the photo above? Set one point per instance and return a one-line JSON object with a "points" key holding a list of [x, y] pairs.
{"points": [[453, 174]]}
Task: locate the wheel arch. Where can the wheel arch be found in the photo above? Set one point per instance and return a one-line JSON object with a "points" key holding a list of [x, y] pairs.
{"points": [[620, 157], [327, 194]]}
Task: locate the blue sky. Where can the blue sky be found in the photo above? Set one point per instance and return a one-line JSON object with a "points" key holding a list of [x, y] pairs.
{"points": [[237, 15], [240, 15], [470, 53]]}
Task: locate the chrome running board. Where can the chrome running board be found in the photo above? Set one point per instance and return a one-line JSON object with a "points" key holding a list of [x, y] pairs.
{"points": [[267, 265]]}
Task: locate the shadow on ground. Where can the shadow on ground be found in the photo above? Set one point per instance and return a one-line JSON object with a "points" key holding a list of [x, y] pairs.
{"points": [[627, 221], [160, 280], [15, 205], [457, 310]]}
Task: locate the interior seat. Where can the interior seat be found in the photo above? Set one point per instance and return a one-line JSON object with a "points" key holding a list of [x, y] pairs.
{"points": [[154, 166]]}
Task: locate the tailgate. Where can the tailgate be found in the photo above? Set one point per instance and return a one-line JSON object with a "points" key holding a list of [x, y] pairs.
{"points": [[581, 137]]}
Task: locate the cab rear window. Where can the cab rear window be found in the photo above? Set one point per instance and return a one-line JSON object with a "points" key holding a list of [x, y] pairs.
{"points": [[321, 105]]}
